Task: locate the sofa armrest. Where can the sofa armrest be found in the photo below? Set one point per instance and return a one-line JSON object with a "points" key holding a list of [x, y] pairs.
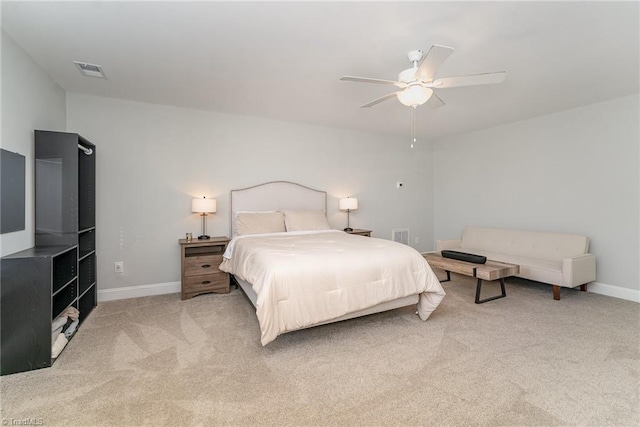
{"points": [[578, 270], [448, 244]]}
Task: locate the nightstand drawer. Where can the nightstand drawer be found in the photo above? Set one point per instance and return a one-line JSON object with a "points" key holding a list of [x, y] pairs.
{"points": [[218, 282], [204, 264]]}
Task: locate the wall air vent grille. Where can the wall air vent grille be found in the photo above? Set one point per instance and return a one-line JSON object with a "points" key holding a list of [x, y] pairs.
{"points": [[400, 235]]}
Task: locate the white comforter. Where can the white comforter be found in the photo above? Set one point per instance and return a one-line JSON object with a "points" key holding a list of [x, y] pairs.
{"points": [[302, 279]]}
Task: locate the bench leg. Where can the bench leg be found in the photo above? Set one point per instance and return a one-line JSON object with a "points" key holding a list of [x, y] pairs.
{"points": [[556, 292], [448, 277], [479, 288], [583, 288]]}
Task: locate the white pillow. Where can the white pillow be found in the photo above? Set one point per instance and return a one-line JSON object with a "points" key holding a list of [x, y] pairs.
{"points": [[305, 220], [259, 223]]}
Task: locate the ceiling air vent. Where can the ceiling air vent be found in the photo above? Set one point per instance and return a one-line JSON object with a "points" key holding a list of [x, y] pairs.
{"points": [[90, 70]]}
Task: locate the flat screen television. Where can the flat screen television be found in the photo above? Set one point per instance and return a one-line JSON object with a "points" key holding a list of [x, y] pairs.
{"points": [[12, 191]]}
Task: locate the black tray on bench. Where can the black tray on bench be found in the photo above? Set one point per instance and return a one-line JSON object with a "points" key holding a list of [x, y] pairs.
{"points": [[463, 256]]}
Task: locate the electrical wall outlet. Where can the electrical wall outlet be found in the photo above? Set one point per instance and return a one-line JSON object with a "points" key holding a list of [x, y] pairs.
{"points": [[119, 267], [417, 240]]}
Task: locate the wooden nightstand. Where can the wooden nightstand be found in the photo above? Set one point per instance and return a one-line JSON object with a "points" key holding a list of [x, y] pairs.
{"points": [[360, 232], [200, 260]]}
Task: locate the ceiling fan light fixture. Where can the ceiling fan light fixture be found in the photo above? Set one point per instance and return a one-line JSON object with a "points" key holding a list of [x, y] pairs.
{"points": [[414, 95]]}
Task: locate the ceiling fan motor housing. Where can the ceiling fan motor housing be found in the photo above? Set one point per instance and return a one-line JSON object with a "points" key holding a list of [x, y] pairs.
{"points": [[408, 75], [415, 55]]}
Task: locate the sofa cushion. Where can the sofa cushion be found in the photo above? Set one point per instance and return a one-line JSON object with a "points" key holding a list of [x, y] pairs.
{"points": [[541, 270], [530, 244]]}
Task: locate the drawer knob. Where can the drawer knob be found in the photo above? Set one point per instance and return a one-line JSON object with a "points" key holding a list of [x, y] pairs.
{"points": [[206, 266], [206, 282]]}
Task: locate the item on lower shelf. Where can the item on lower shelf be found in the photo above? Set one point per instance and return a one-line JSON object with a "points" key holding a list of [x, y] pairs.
{"points": [[58, 346], [59, 322], [463, 256], [55, 333], [57, 326], [71, 329], [71, 312]]}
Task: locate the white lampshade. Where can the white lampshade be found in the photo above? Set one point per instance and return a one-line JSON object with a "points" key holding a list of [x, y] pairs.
{"points": [[414, 95], [348, 204], [204, 205]]}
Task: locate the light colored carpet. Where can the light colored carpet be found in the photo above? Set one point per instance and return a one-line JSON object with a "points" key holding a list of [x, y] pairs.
{"points": [[521, 360]]}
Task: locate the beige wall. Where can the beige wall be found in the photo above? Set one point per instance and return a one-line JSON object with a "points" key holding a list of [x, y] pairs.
{"points": [[30, 100], [575, 171], [152, 159]]}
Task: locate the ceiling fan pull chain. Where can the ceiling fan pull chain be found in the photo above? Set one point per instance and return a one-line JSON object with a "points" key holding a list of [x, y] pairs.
{"points": [[413, 125]]}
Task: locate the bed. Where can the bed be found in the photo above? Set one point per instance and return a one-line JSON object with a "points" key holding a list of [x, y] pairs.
{"points": [[299, 273]]}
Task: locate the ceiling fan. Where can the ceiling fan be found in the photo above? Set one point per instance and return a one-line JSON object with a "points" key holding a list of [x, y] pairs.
{"points": [[417, 83]]}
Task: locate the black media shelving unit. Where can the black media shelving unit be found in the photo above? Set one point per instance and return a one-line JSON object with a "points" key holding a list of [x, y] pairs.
{"points": [[39, 283]]}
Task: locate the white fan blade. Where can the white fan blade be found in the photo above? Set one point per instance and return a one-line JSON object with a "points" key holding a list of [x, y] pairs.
{"points": [[379, 100], [368, 80], [473, 79], [432, 61], [434, 101]]}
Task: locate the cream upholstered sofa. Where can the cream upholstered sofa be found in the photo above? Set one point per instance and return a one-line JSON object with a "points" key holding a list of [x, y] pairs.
{"points": [[555, 258]]}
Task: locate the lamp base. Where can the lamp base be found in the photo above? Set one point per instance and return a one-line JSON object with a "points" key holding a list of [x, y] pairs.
{"points": [[204, 237], [346, 229]]}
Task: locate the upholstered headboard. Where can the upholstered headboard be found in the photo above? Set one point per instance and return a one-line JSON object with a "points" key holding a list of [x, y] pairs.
{"points": [[276, 196]]}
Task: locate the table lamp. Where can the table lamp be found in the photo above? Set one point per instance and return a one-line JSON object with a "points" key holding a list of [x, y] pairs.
{"points": [[204, 206], [348, 204]]}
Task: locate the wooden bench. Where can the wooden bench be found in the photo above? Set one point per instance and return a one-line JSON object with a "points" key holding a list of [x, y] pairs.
{"points": [[491, 270]]}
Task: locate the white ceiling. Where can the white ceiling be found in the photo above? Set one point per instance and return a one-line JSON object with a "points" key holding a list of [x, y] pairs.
{"points": [[284, 60]]}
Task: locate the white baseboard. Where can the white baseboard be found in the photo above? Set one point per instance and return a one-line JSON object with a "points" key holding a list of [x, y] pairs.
{"points": [[138, 291], [174, 287], [614, 291]]}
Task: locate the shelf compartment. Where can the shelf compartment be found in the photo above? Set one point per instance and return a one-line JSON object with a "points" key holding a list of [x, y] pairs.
{"points": [[87, 276], [64, 299], [64, 269], [204, 250], [86, 242], [87, 302]]}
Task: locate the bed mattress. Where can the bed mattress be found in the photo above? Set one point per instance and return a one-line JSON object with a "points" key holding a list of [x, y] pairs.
{"points": [[301, 279]]}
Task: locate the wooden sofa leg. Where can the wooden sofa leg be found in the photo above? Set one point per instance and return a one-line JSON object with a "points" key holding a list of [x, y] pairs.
{"points": [[583, 288], [556, 292]]}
